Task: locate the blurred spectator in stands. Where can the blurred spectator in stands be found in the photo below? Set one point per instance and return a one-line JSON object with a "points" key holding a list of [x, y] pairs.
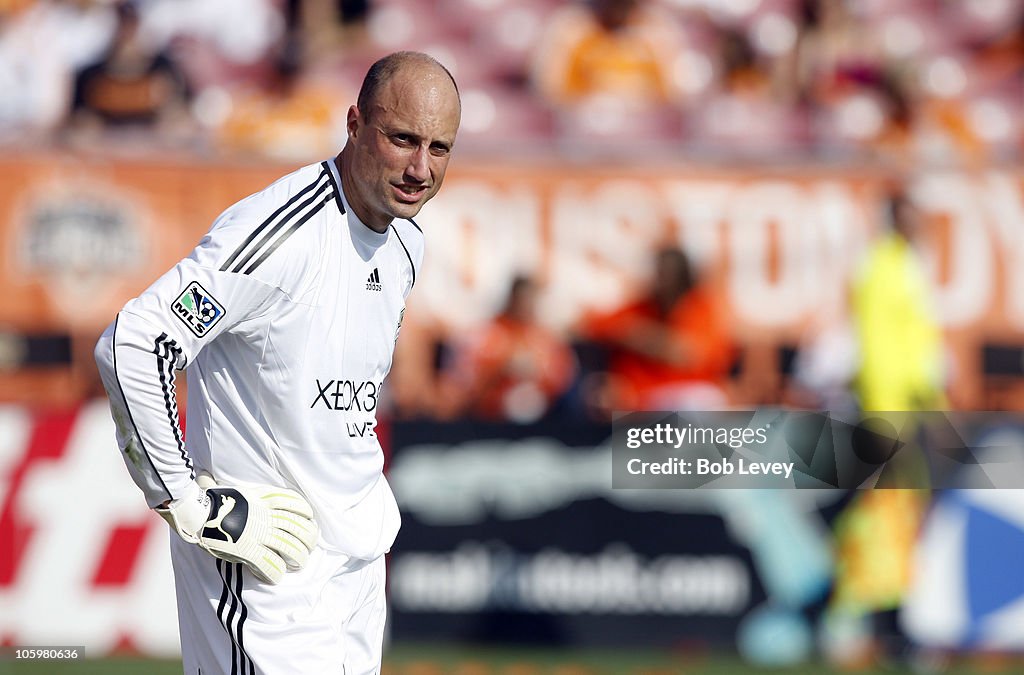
{"points": [[972, 99], [866, 114], [751, 113], [616, 48], [607, 67], [515, 369], [998, 117], [670, 348], [860, 106], [194, 33], [42, 45], [326, 25], [290, 116], [132, 85], [831, 41]]}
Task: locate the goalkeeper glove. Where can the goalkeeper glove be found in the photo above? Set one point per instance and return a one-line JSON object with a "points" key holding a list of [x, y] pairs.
{"points": [[270, 529]]}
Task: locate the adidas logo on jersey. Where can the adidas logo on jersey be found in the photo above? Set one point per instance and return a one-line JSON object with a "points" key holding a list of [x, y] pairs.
{"points": [[373, 283]]}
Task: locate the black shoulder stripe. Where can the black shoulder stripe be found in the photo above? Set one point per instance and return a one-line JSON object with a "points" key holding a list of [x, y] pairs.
{"points": [[255, 233], [411, 265], [415, 225], [280, 240], [166, 351], [131, 418], [337, 188], [262, 244]]}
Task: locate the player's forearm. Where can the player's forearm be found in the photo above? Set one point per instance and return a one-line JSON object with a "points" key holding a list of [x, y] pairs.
{"points": [[137, 366]]}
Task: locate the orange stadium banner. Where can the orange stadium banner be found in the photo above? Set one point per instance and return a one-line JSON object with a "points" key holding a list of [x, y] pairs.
{"points": [[79, 236]]}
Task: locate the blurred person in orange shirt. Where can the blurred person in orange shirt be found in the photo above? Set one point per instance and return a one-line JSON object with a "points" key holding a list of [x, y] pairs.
{"points": [[517, 369], [292, 116], [614, 48], [670, 348]]}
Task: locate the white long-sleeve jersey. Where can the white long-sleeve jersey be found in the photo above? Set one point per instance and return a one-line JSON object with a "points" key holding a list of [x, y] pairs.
{"points": [[285, 316]]}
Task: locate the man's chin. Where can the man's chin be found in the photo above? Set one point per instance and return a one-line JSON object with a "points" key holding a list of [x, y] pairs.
{"points": [[406, 211]]}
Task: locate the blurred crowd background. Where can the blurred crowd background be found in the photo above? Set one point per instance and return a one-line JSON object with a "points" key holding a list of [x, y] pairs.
{"points": [[653, 204], [914, 80]]}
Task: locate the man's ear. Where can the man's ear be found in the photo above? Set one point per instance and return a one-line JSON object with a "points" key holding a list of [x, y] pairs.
{"points": [[354, 121]]}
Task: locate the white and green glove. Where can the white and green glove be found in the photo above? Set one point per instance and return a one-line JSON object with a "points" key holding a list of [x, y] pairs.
{"points": [[270, 529]]}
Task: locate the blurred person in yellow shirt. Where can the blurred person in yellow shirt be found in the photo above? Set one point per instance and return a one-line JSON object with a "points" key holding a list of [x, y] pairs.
{"points": [[901, 371], [894, 316]]}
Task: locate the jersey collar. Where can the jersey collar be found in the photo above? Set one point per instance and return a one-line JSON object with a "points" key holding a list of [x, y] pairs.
{"points": [[359, 229]]}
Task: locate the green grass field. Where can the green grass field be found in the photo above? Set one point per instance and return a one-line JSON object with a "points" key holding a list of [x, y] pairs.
{"points": [[449, 660]]}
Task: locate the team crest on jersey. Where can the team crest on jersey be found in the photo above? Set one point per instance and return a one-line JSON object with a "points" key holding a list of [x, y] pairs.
{"points": [[197, 309]]}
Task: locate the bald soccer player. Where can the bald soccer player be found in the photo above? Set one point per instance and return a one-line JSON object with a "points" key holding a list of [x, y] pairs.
{"points": [[285, 317]]}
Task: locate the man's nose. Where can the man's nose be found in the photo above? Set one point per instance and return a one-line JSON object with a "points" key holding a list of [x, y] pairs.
{"points": [[419, 165]]}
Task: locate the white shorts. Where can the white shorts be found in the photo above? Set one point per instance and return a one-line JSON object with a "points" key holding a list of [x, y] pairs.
{"points": [[326, 618]]}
